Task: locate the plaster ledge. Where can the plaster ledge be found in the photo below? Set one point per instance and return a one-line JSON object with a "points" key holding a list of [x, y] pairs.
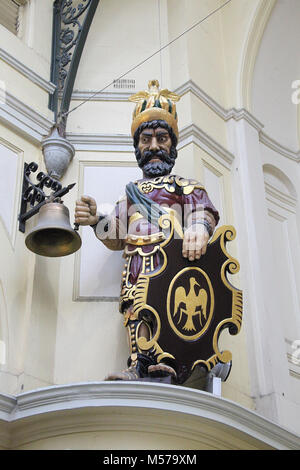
{"points": [[64, 409]]}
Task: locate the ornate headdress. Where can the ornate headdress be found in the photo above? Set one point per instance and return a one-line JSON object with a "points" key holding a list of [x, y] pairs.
{"points": [[154, 104]]}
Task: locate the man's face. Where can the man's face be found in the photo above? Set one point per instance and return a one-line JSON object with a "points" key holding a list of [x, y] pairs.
{"points": [[154, 150], [154, 140]]}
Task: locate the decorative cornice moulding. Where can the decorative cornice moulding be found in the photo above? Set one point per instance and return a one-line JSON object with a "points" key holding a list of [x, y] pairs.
{"points": [[86, 406], [188, 87], [191, 87], [101, 142], [7, 406], [24, 119], [27, 72], [193, 134], [36, 126], [123, 143], [238, 114], [278, 148]]}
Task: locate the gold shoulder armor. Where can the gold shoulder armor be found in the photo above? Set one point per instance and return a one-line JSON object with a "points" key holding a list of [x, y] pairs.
{"points": [[187, 185], [169, 183]]}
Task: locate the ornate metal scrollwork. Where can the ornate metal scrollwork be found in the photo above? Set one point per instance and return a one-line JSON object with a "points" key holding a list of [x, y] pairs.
{"points": [[34, 193], [71, 22], [69, 35]]}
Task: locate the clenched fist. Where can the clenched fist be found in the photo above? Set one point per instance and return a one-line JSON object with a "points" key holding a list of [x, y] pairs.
{"points": [[86, 211]]}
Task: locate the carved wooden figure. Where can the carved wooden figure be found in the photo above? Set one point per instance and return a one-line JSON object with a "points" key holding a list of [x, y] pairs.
{"points": [[175, 296]]}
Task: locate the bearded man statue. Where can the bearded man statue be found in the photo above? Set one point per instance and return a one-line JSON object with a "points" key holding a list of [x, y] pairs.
{"points": [[135, 224]]}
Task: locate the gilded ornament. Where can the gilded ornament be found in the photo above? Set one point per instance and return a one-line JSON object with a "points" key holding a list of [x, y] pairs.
{"points": [[154, 104], [169, 183]]}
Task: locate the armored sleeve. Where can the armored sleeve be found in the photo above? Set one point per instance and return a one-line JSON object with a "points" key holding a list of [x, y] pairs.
{"points": [[198, 209]]}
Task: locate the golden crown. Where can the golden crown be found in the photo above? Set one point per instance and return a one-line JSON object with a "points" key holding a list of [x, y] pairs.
{"points": [[154, 104]]}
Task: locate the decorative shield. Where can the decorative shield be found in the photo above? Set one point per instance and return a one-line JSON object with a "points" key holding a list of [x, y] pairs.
{"points": [[189, 304]]}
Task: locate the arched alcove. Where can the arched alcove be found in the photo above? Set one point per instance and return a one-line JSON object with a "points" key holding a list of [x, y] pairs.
{"points": [[276, 69], [281, 198], [279, 180], [260, 19]]}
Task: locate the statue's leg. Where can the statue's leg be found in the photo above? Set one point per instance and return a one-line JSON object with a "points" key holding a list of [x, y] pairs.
{"points": [[154, 370], [140, 363], [139, 360]]}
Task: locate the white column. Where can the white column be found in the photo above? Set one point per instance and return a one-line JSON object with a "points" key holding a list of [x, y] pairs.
{"points": [[260, 282]]}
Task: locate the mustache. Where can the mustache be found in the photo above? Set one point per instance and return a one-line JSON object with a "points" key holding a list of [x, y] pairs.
{"points": [[149, 154]]}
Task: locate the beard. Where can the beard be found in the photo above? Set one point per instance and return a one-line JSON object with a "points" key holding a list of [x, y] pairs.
{"points": [[162, 167]]}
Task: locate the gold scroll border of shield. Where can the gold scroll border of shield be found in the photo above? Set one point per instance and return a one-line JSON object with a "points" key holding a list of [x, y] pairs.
{"points": [[231, 266]]}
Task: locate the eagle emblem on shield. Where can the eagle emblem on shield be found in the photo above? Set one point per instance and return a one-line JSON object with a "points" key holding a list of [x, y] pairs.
{"points": [[190, 304]]}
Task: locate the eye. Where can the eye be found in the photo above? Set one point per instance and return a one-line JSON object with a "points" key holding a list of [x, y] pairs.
{"points": [[163, 139]]}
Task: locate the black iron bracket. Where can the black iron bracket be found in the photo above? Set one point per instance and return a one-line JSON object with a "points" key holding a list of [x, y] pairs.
{"points": [[71, 23], [33, 194]]}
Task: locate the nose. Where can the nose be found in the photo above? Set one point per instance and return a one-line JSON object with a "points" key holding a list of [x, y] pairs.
{"points": [[154, 145]]}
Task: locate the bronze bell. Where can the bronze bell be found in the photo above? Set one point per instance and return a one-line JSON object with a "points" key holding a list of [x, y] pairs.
{"points": [[53, 235]]}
